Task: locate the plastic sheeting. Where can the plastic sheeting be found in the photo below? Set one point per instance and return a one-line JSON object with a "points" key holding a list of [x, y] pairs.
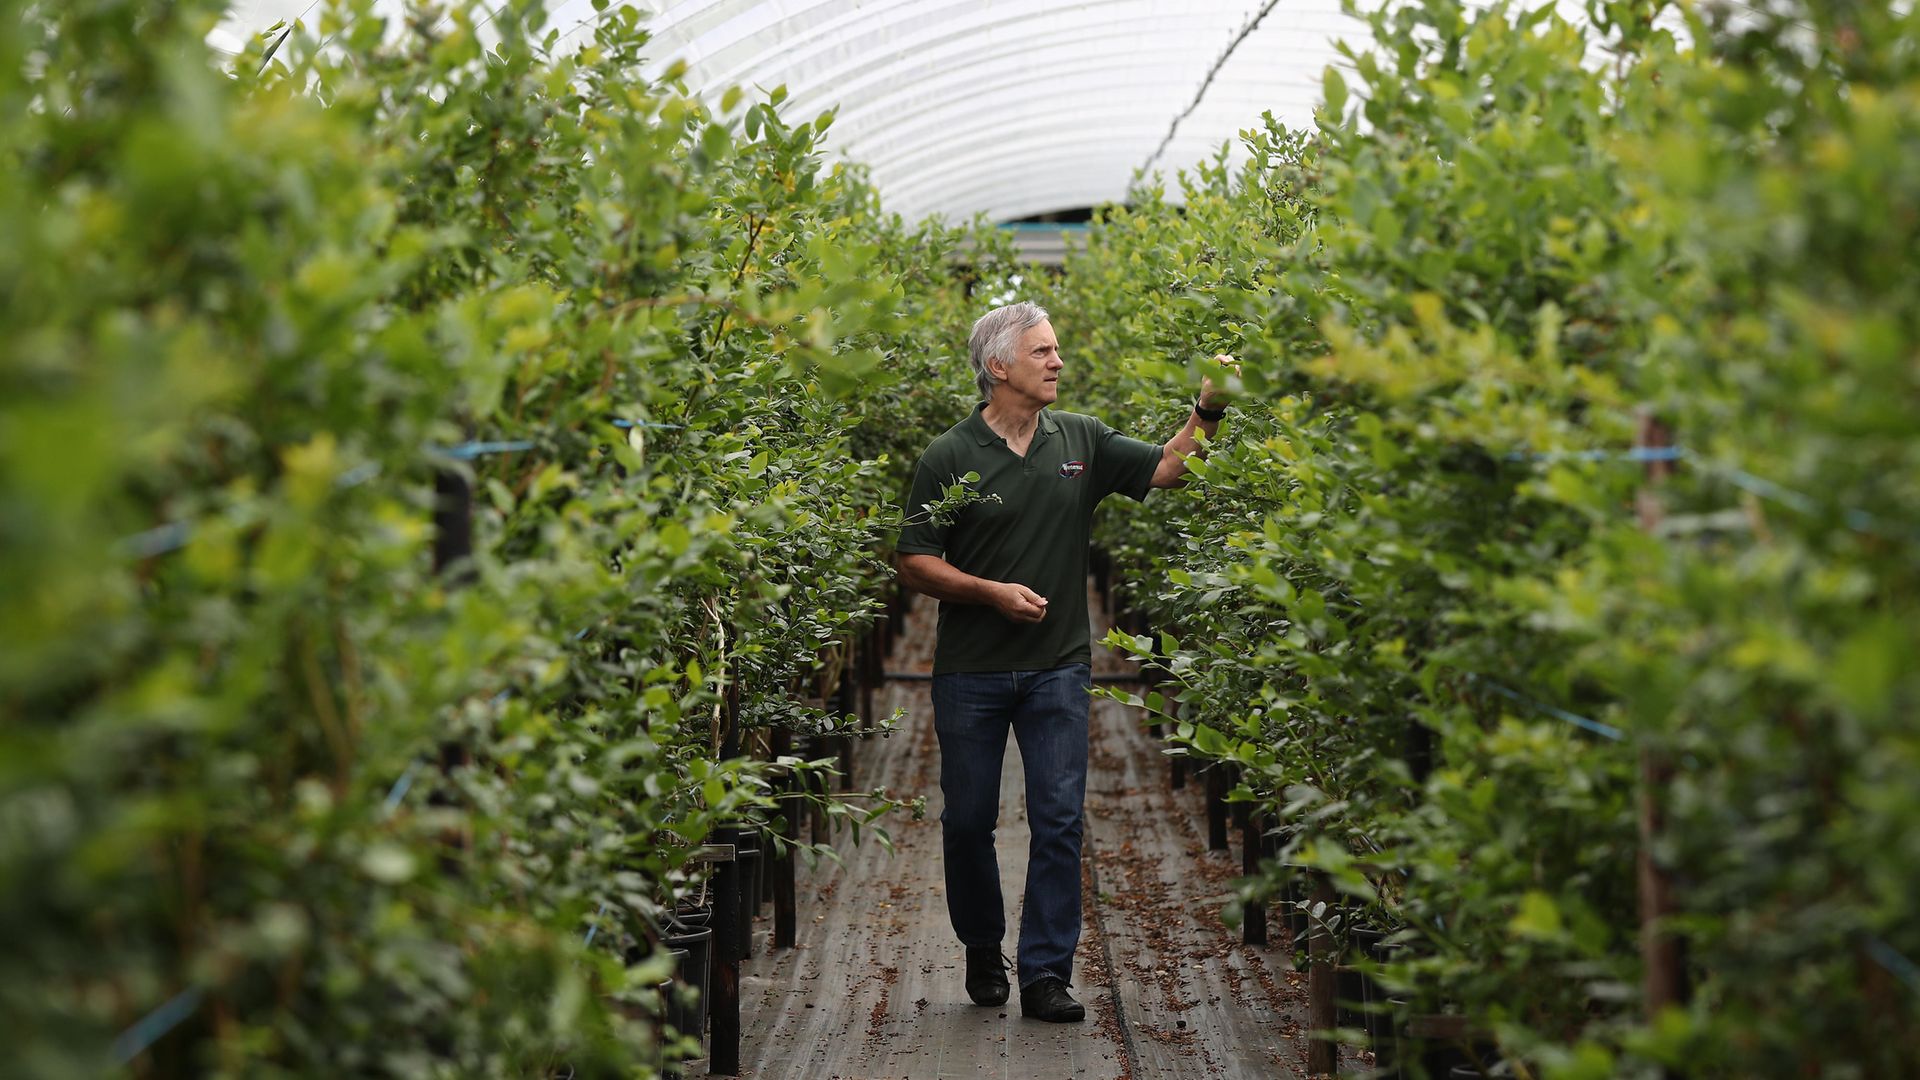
{"points": [[995, 107], [1013, 109]]}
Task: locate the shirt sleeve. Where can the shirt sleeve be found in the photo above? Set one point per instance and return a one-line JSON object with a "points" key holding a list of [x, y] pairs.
{"points": [[1126, 465], [921, 535]]}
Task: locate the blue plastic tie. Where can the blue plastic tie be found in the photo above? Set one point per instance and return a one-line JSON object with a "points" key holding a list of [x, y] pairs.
{"points": [[358, 475], [1895, 962], [471, 450], [594, 930], [150, 1028], [1858, 520], [648, 424], [157, 541], [1766, 489], [1584, 723], [174, 534], [399, 789], [1638, 453]]}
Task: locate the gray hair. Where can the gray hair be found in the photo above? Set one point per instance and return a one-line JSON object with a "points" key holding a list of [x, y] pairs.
{"points": [[997, 336]]}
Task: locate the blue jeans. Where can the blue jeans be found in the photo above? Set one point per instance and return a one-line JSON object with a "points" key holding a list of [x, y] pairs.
{"points": [[1048, 713]]}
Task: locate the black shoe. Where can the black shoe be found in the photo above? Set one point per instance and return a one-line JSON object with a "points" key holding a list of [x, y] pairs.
{"points": [[1047, 999], [986, 975]]}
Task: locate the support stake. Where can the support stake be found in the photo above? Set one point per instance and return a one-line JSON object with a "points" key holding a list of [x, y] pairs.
{"points": [[1323, 1054], [1216, 806], [1663, 972], [723, 1008], [1253, 924]]}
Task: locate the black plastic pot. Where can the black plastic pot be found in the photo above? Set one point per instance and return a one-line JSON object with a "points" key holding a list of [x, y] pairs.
{"points": [[1442, 1059], [1379, 1005], [673, 1009], [1356, 988], [696, 908], [700, 915], [1389, 1049], [666, 988], [1350, 994], [1458, 1061], [694, 946]]}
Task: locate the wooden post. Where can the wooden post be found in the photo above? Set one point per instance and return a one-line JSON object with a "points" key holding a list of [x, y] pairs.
{"points": [[765, 894], [816, 786], [1253, 920], [847, 703], [746, 856], [1663, 977], [785, 903], [1418, 750], [723, 1002], [1217, 806], [730, 715], [873, 669], [452, 563], [452, 526], [1176, 765], [1323, 1054]]}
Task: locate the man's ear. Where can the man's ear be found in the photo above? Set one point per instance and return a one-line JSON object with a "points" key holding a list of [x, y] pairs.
{"points": [[997, 368]]}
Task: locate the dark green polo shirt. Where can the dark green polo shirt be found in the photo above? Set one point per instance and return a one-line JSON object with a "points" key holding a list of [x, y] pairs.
{"points": [[1035, 534]]}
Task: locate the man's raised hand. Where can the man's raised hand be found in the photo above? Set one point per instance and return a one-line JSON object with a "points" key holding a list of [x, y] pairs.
{"points": [[1017, 603], [1211, 396]]}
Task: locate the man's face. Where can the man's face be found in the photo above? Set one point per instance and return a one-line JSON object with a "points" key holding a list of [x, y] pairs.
{"points": [[1033, 373]]}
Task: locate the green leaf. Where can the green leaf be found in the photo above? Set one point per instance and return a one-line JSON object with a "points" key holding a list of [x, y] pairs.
{"points": [[1538, 917], [1333, 90]]}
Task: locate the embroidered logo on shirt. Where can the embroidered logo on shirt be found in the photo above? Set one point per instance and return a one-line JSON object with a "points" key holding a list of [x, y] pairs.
{"points": [[1072, 469]]}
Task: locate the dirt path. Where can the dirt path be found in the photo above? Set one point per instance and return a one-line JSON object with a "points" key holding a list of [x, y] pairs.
{"points": [[873, 988]]}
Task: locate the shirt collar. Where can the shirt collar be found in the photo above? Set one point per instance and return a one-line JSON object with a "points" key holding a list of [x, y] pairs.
{"points": [[984, 435]]}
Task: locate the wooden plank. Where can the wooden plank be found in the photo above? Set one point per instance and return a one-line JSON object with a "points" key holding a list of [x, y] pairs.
{"points": [[1196, 1002], [873, 988]]}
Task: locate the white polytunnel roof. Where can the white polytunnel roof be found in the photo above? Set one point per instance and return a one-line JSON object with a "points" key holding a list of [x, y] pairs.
{"points": [[1005, 108], [1014, 109], [1010, 108]]}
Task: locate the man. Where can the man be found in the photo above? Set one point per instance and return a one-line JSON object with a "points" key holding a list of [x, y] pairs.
{"points": [[1010, 572]]}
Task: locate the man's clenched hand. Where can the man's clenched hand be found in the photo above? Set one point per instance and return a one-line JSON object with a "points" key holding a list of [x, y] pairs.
{"points": [[1017, 603]]}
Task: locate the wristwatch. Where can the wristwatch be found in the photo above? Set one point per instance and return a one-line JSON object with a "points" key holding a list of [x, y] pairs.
{"points": [[1211, 416]]}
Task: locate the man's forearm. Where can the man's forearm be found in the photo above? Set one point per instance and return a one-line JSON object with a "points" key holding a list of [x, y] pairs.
{"points": [[1173, 461], [940, 579], [934, 576]]}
